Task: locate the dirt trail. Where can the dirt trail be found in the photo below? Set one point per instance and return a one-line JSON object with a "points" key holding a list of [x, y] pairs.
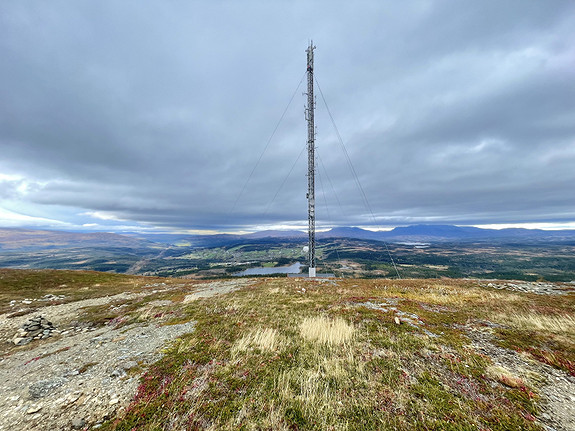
{"points": [[217, 288]]}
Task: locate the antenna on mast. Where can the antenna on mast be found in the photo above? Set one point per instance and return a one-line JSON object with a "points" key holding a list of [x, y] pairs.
{"points": [[309, 111]]}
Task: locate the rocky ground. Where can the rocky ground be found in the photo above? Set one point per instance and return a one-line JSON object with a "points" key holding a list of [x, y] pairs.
{"points": [[556, 388], [538, 287], [82, 374], [71, 374]]}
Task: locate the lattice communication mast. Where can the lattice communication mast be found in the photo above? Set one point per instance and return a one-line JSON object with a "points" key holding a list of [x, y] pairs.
{"points": [[309, 111]]}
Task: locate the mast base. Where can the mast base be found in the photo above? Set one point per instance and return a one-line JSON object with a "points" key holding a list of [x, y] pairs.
{"points": [[311, 272]]}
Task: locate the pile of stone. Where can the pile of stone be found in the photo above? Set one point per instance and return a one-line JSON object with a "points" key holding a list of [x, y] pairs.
{"points": [[538, 287], [37, 328]]}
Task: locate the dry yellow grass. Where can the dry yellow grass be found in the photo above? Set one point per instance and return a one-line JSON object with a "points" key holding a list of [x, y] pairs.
{"points": [[311, 387], [449, 295], [260, 338], [145, 313], [328, 331], [315, 383], [503, 375], [558, 324]]}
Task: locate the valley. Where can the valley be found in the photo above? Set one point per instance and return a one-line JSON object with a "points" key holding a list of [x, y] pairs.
{"points": [[422, 252]]}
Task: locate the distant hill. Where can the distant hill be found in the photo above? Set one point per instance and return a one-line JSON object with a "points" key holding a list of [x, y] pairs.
{"points": [[28, 239], [435, 233], [277, 234], [218, 240], [441, 231], [350, 232], [450, 251], [414, 233], [192, 240]]}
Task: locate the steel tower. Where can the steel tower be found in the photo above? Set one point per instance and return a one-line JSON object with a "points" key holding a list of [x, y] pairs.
{"points": [[309, 111]]}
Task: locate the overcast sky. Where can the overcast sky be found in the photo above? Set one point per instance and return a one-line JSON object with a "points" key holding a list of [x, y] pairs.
{"points": [[152, 115]]}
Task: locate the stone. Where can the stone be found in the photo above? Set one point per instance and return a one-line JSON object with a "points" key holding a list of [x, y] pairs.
{"points": [[34, 409], [128, 365], [44, 387], [118, 372], [22, 341], [34, 329], [78, 423], [396, 320], [72, 398]]}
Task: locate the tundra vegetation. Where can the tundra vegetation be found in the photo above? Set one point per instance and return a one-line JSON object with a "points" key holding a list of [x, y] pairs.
{"points": [[291, 354], [283, 353]]}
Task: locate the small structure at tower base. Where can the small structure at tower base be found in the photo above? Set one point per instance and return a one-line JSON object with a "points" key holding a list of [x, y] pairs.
{"points": [[315, 276]]}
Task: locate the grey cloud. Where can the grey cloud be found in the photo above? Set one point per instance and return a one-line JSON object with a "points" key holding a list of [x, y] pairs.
{"points": [[157, 112]]}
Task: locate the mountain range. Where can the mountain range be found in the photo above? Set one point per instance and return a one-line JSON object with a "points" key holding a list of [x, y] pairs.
{"points": [[24, 239], [28, 239]]}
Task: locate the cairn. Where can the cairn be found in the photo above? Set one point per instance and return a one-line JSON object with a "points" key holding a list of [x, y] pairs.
{"points": [[37, 328]]}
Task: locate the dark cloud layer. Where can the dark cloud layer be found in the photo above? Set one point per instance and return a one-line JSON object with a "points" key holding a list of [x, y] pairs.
{"points": [[155, 113]]}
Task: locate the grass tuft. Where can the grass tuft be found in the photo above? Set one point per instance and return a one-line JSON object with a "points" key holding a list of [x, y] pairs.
{"points": [[263, 339], [504, 376], [326, 331], [560, 324]]}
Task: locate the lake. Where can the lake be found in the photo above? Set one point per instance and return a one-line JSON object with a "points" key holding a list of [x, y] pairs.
{"points": [[292, 269]]}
